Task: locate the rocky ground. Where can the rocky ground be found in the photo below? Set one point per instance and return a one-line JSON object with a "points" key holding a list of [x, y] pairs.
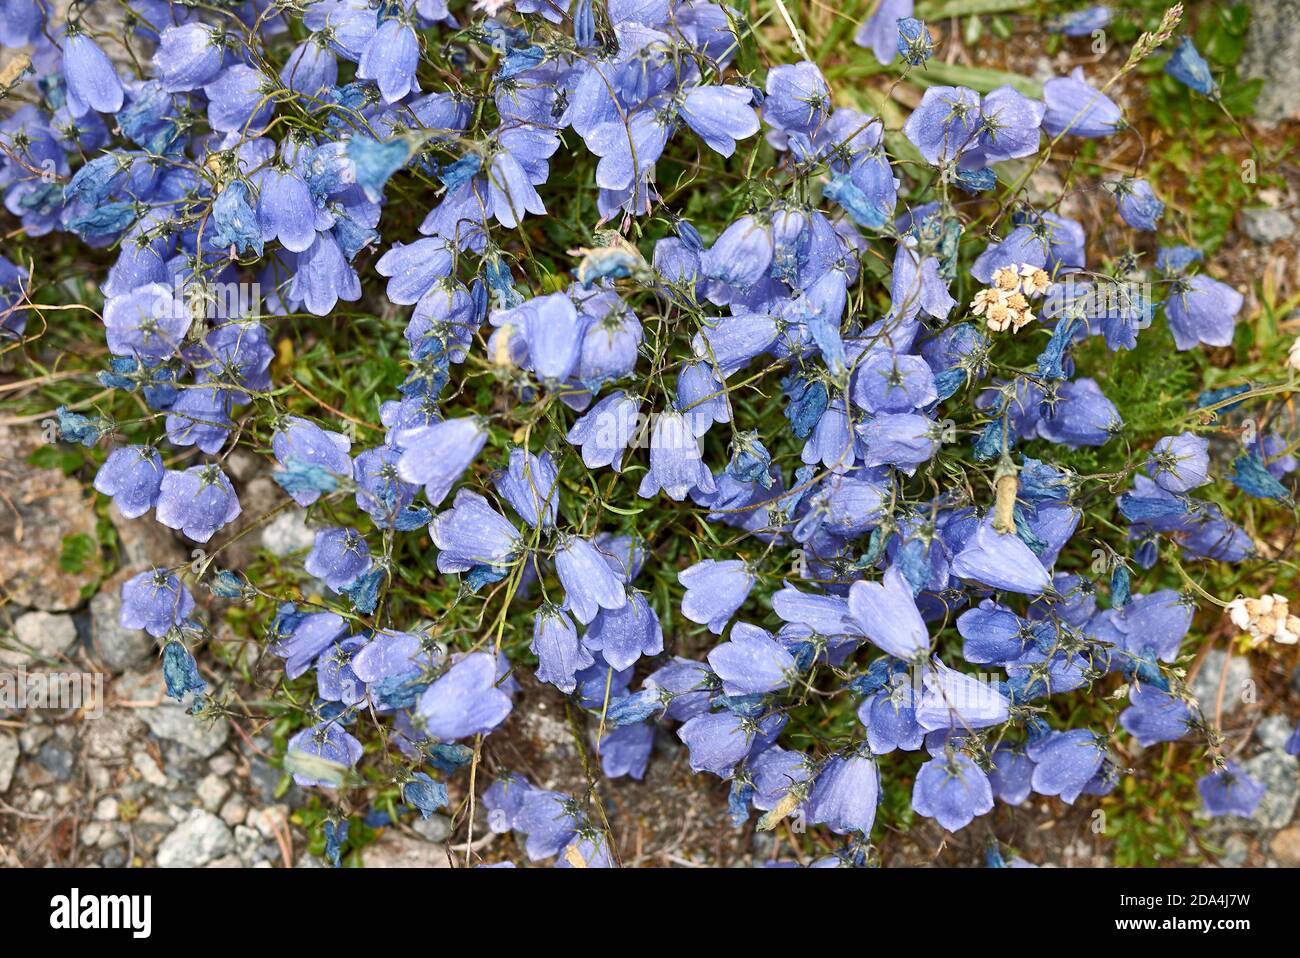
{"points": [[146, 784]]}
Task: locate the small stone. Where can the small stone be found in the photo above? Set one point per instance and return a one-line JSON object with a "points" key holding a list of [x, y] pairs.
{"points": [[171, 721], [1276, 770], [247, 843], [226, 861], [1286, 847], [1235, 852], [118, 648], [1273, 731], [8, 759], [1205, 687], [401, 851], [149, 770], [235, 810], [146, 544], [288, 533], [39, 638], [198, 840], [114, 858], [57, 759], [436, 828], [90, 833], [212, 791], [267, 821], [1267, 225], [106, 810], [32, 737], [222, 764]]}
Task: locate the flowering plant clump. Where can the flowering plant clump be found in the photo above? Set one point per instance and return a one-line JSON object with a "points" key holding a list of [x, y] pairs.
{"points": [[725, 408]]}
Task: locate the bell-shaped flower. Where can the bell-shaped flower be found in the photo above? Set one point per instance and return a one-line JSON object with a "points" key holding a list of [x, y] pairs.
{"points": [[714, 591], [465, 700]]}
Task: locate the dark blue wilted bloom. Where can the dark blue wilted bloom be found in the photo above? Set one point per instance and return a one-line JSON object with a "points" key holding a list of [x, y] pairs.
{"points": [[1066, 762], [1230, 792], [132, 475], [336, 836], [189, 56], [1138, 205], [881, 32], [1154, 716], [322, 754], [465, 700], [1077, 108], [531, 485], [560, 656], [234, 221], [1001, 561], [1081, 23], [590, 583], [752, 662], [606, 430], [1251, 475], [1202, 310], [625, 634], [1120, 587], [637, 707], [338, 556], [198, 501], [473, 537], [1189, 68], [845, 794], [436, 456], [714, 591], [914, 43], [808, 399], [180, 671], [154, 601], [885, 612], [951, 789], [1179, 463], [91, 82], [82, 430], [376, 162], [424, 794]]}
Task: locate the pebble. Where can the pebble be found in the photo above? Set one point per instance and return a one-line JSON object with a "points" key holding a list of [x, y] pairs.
{"points": [[1273, 731], [1267, 226], [196, 841], [149, 769], [8, 759], [288, 533], [1277, 771], [436, 828], [394, 850], [268, 819], [212, 791], [57, 759], [106, 810], [42, 637], [235, 810], [1285, 847]]}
